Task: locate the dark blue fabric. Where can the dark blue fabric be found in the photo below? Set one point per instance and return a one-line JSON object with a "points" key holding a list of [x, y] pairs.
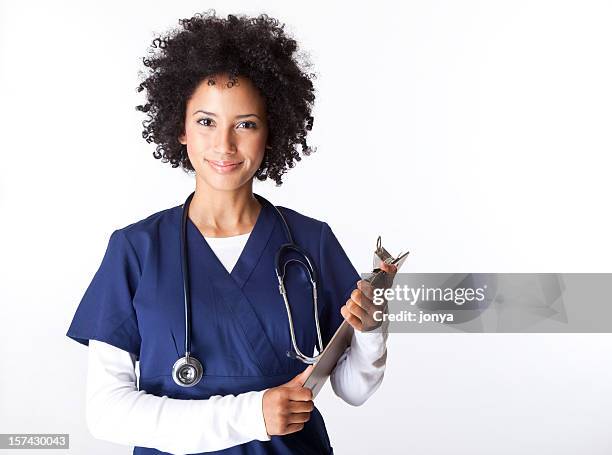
{"points": [[240, 331]]}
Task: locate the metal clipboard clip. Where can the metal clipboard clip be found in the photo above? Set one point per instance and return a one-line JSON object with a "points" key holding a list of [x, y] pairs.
{"points": [[378, 277]]}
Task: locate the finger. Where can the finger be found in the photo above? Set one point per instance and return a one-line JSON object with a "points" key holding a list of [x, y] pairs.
{"points": [[300, 394], [389, 268], [299, 380], [360, 298], [363, 301], [365, 287], [301, 406], [292, 428], [298, 417], [366, 319], [356, 310], [352, 320]]}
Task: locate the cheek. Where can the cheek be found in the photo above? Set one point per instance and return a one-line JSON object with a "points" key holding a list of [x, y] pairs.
{"points": [[197, 138], [259, 144], [252, 147], [197, 145]]}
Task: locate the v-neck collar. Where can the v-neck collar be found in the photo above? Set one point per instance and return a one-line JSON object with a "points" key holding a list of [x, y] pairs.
{"points": [[231, 284], [252, 250]]}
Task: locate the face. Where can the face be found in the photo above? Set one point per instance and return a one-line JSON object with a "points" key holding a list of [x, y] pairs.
{"points": [[225, 133]]}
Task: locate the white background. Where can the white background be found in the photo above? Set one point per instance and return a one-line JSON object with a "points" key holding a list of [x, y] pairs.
{"points": [[474, 134]]}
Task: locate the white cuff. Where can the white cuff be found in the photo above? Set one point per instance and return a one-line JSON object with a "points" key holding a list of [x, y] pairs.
{"points": [[369, 346], [255, 415]]}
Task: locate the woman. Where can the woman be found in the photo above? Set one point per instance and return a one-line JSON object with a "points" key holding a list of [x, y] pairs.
{"points": [[227, 101]]}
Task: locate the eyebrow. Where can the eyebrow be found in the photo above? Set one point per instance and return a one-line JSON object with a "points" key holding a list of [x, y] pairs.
{"points": [[214, 115]]}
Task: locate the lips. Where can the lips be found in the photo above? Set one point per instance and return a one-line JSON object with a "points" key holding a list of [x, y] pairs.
{"points": [[224, 166]]}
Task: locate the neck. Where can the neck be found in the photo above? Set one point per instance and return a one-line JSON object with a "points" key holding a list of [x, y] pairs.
{"points": [[221, 213]]}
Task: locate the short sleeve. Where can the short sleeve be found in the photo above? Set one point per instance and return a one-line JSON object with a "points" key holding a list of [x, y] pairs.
{"points": [[106, 312], [338, 279]]}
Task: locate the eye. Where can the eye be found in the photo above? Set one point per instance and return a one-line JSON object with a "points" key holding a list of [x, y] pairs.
{"points": [[205, 119], [248, 123]]}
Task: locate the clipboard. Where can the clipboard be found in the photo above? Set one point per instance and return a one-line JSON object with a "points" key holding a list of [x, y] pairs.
{"points": [[342, 338]]}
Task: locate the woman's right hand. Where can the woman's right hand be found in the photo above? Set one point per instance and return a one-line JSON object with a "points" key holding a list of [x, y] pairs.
{"points": [[288, 406]]}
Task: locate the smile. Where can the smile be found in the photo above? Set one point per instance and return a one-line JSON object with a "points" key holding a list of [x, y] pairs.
{"points": [[223, 167]]}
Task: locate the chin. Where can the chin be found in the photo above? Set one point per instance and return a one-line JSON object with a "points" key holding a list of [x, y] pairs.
{"points": [[225, 183]]}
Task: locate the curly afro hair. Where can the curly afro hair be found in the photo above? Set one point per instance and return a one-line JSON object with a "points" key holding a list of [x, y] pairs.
{"points": [[256, 48]]}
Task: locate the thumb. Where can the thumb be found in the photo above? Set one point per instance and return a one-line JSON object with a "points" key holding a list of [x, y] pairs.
{"points": [[300, 379], [389, 268]]}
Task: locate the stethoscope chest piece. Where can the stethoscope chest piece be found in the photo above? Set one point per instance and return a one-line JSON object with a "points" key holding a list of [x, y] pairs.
{"points": [[187, 371]]}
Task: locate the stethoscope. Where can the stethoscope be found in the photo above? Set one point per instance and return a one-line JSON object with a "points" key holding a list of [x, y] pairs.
{"points": [[188, 370]]}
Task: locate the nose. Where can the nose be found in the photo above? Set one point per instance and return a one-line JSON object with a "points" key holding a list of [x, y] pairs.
{"points": [[225, 143]]}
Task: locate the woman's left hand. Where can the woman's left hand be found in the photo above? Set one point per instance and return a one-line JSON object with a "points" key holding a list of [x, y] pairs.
{"points": [[359, 308]]}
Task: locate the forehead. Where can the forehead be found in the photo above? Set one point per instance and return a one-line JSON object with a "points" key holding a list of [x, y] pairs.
{"points": [[226, 97]]}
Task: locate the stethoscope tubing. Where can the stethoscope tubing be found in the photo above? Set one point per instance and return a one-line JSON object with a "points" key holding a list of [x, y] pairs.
{"points": [[188, 371]]}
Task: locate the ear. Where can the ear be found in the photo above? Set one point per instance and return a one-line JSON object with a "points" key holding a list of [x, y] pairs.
{"points": [[182, 140]]}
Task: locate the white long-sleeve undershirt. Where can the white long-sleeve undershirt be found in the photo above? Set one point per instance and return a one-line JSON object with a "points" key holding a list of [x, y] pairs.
{"points": [[118, 412]]}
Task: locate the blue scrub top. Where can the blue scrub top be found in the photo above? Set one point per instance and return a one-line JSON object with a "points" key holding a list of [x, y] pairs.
{"points": [[240, 331]]}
